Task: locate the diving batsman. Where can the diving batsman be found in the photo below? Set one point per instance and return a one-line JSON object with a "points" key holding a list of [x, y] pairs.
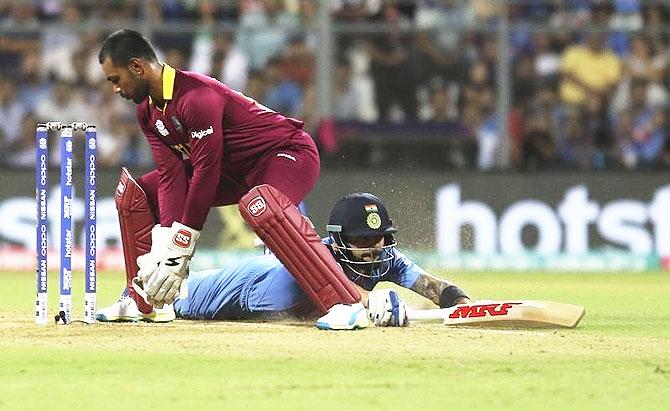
{"points": [[361, 244]]}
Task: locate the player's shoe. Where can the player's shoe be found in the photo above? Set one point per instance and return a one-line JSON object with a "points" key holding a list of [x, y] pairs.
{"points": [[125, 310], [344, 317], [159, 315]]}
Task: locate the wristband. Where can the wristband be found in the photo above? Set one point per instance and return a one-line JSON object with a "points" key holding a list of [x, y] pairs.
{"points": [[450, 295]]}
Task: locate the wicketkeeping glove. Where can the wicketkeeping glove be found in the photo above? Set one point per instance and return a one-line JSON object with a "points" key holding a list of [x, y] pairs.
{"points": [[387, 309], [148, 263], [166, 282]]}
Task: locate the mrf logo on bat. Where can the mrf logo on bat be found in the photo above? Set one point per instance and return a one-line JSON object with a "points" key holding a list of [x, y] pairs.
{"points": [[482, 310]]}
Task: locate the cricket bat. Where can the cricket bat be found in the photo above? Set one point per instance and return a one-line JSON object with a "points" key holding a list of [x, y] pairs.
{"points": [[507, 313]]}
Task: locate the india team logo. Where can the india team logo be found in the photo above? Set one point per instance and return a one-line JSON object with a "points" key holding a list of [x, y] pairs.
{"points": [[257, 206], [374, 221]]}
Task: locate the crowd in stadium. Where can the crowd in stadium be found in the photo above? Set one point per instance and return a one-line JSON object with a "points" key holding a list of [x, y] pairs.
{"points": [[589, 81]]}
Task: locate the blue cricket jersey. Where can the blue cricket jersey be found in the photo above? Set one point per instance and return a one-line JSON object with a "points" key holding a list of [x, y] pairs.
{"points": [[260, 286]]}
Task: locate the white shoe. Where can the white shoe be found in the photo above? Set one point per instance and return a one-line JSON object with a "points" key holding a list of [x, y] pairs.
{"points": [[344, 317], [125, 310], [159, 315]]}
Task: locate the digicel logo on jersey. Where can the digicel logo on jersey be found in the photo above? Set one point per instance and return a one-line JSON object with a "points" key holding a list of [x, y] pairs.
{"points": [[202, 133], [482, 310]]}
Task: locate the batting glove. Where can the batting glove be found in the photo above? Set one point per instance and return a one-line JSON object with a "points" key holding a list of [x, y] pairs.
{"points": [[166, 282], [387, 309]]}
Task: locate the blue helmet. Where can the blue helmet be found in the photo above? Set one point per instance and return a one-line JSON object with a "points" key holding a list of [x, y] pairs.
{"points": [[362, 215]]}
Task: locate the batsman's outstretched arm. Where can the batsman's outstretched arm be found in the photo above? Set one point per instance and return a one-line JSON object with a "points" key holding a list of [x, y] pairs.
{"points": [[441, 292]]}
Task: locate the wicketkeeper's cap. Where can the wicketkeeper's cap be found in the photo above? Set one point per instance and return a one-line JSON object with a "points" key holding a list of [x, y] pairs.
{"points": [[360, 214]]}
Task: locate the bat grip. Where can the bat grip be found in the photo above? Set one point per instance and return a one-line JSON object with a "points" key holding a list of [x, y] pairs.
{"points": [[423, 315]]}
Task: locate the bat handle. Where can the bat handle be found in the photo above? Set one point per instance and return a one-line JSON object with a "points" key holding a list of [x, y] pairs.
{"points": [[432, 314]]}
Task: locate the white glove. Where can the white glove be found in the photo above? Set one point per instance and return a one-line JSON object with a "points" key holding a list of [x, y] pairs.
{"points": [[148, 262], [387, 309], [166, 282]]}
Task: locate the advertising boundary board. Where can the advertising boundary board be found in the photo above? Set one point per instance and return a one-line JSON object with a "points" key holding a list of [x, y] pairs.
{"points": [[413, 197]]}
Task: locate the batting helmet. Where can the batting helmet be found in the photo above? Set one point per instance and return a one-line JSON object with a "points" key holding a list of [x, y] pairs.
{"points": [[362, 215]]}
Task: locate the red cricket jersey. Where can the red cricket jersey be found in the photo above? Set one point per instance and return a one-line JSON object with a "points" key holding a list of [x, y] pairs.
{"points": [[207, 132]]}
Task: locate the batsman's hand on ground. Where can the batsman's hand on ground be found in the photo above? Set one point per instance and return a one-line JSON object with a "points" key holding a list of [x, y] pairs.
{"points": [[166, 282], [387, 309]]}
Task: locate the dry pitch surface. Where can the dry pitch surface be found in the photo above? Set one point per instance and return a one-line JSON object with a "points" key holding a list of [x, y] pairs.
{"points": [[617, 358]]}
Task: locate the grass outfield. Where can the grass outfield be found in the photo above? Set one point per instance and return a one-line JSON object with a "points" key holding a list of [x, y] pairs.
{"points": [[617, 358]]}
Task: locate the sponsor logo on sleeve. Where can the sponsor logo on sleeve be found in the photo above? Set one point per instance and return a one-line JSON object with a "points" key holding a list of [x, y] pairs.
{"points": [[202, 133]]}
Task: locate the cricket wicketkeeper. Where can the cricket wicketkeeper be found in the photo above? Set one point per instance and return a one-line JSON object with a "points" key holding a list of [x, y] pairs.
{"points": [[211, 145]]}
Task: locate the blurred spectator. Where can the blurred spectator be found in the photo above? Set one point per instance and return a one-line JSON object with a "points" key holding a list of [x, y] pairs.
{"points": [[22, 153], [440, 66], [60, 40], [438, 38], [627, 18], [117, 131], [66, 103], [590, 70], [345, 96], [264, 29], [256, 86], [597, 132], [538, 144], [20, 34], [485, 11], [175, 58], [32, 86], [298, 61], [573, 149], [282, 94], [547, 60], [524, 80], [478, 79], [216, 55], [392, 69], [642, 63], [443, 102], [487, 131], [11, 113], [640, 131], [354, 10]]}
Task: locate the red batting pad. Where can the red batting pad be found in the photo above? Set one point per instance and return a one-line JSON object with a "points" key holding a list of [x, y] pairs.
{"points": [[291, 237], [136, 221]]}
